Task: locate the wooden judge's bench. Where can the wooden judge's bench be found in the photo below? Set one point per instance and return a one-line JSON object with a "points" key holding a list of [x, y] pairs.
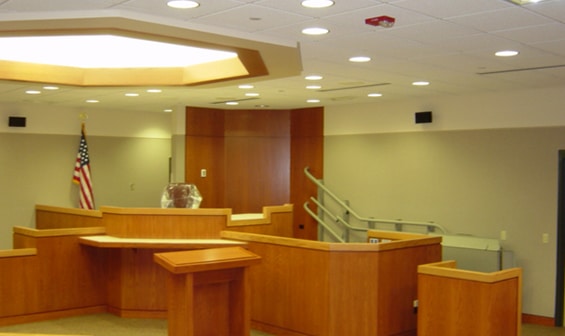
{"points": [[126, 261]]}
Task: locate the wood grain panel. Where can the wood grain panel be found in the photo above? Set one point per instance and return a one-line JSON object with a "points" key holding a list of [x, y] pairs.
{"points": [[205, 150], [204, 121], [307, 150], [290, 288], [257, 123], [50, 217], [63, 276], [164, 226], [257, 172], [465, 305], [336, 289], [254, 158]]}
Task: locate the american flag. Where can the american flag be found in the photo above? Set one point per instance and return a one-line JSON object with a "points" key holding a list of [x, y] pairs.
{"points": [[81, 175]]}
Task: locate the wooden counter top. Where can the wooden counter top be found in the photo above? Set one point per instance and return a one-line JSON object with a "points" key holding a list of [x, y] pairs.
{"points": [[18, 253], [206, 260], [447, 269], [165, 211], [57, 232], [396, 241], [71, 211], [116, 242]]}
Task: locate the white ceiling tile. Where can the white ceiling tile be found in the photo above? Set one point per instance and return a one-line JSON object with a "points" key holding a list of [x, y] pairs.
{"points": [[503, 19]]}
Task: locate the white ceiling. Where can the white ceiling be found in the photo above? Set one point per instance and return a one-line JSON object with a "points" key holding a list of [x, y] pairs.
{"points": [[450, 43]]}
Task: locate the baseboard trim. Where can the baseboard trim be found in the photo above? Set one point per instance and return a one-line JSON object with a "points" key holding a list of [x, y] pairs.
{"points": [[539, 320], [11, 320]]}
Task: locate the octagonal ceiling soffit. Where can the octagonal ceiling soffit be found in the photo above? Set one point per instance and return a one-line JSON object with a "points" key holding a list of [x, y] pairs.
{"points": [[257, 60]]}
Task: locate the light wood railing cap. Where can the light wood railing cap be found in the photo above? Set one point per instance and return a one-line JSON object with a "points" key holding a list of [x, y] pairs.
{"points": [[327, 246], [165, 211], [448, 269], [31, 232], [18, 253], [70, 211], [264, 217]]}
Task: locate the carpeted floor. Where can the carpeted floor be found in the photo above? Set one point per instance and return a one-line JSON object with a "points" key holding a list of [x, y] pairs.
{"points": [[97, 325], [111, 325]]}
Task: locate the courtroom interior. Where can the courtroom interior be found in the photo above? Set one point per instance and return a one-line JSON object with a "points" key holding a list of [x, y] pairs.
{"points": [[282, 188]]}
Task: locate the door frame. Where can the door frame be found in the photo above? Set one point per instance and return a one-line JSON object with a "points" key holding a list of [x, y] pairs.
{"points": [[560, 266]]}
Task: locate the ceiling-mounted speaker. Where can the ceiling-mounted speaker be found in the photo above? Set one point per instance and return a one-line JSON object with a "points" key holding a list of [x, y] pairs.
{"points": [[17, 121], [423, 117]]}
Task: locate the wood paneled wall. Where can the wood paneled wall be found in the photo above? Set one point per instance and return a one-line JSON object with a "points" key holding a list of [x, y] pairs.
{"points": [[255, 158]]}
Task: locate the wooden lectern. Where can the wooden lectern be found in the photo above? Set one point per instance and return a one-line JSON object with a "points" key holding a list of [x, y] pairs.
{"points": [[208, 291]]}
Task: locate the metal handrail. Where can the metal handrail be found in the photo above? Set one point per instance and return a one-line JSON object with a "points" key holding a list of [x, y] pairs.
{"points": [[321, 222], [334, 217], [367, 219]]}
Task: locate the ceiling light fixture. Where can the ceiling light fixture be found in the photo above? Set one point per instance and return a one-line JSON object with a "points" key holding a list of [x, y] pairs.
{"points": [[420, 83], [313, 101], [317, 3], [313, 87], [246, 86], [313, 77], [252, 94], [154, 90], [506, 53], [524, 2], [375, 95], [315, 31], [51, 88], [33, 92], [83, 51], [359, 59], [381, 21], [183, 4]]}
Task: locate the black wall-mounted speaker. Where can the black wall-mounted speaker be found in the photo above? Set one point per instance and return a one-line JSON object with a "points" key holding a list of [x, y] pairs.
{"points": [[423, 117], [17, 121]]}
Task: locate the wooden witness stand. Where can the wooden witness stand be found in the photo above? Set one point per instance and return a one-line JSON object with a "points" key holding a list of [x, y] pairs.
{"points": [[460, 302], [211, 291]]}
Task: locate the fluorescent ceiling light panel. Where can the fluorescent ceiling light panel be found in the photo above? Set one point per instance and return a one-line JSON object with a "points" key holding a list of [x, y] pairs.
{"points": [[317, 3], [105, 51], [524, 2]]}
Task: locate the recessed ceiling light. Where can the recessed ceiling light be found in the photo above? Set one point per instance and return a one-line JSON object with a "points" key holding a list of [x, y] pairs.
{"points": [[359, 59], [506, 53], [246, 86], [524, 2], [183, 4], [313, 77], [33, 92], [52, 88], [312, 101], [313, 87], [154, 90], [131, 94], [252, 94], [315, 31], [168, 110], [232, 103], [317, 3], [420, 83], [83, 51], [92, 101], [375, 95]]}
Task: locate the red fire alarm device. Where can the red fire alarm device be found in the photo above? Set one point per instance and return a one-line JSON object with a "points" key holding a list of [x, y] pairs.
{"points": [[382, 21]]}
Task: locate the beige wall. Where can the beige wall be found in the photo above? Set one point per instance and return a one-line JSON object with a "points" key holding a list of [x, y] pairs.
{"points": [[129, 160], [476, 170]]}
